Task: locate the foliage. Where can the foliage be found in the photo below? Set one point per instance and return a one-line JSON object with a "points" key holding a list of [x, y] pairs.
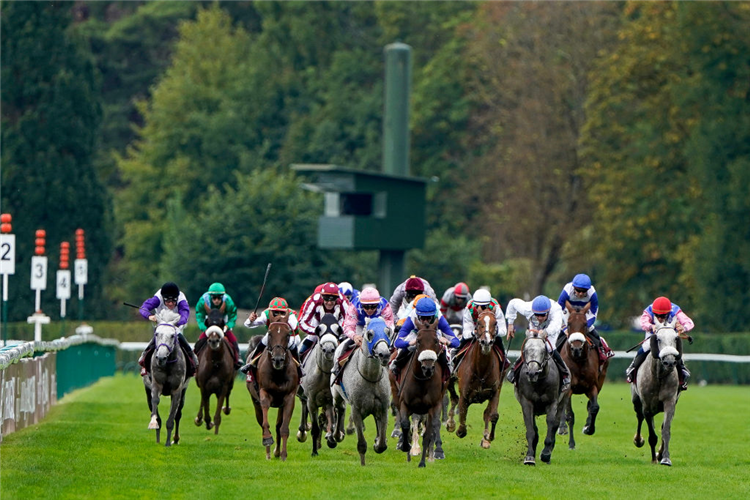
{"points": [[50, 120]]}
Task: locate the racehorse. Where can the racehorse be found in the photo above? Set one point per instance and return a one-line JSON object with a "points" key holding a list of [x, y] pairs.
{"points": [[277, 382], [316, 383], [215, 371], [586, 377], [656, 389], [364, 385], [538, 392], [421, 391], [168, 375], [480, 379]]}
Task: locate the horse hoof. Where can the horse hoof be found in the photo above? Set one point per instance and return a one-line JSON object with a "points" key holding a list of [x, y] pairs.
{"points": [[450, 426], [562, 431], [209, 425], [546, 457], [277, 454], [461, 432], [638, 442], [314, 454], [589, 431], [396, 433], [340, 437], [227, 410], [485, 444], [153, 426], [666, 461], [301, 436], [529, 461], [421, 464], [380, 449], [198, 421], [331, 443], [350, 432], [439, 455], [267, 441]]}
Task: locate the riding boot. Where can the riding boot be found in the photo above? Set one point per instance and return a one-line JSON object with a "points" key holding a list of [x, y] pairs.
{"points": [[514, 371], [186, 347], [457, 354], [200, 344], [398, 361], [236, 352], [296, 356], [683, 374], [251, 363], [632, 370], [306, 345], [498, 342], [563, 370], [596, 339], [144, 355]]}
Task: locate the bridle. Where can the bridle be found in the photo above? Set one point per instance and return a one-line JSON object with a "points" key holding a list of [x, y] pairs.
{"points": [[174, 341]]}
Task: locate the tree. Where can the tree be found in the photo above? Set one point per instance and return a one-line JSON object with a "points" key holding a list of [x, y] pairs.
{"points": [[50, 122]]}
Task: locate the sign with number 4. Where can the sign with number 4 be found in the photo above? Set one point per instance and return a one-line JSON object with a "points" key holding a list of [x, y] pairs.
{"points": [[63, 284]]}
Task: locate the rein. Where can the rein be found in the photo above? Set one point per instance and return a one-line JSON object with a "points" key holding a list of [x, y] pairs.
{"points": [[174, 341]]}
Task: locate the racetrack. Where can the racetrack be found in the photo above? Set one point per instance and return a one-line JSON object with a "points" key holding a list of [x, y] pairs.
{"points": [[95, 444]]}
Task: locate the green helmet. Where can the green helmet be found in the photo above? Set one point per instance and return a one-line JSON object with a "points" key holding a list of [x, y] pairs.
{"points": [[216, 289]]}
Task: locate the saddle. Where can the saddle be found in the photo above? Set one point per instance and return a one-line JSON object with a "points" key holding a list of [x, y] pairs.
{"points": [[190, 368], [342, 362]]}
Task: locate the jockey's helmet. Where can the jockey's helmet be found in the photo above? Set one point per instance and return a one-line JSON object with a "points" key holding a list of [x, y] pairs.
{"points": [[278, 304], [582, 281], [414, 284], [170, 291], [540, 305], [216, 289], [662, 305], [346, 289], [482, 297], [461, 291], [330, 289], [426, 307], [369, 296]]}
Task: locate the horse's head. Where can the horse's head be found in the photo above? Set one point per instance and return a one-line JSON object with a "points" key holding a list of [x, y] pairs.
{"points": [[535, 354], [328, 324], [428, 346], [666, 346], [214, 336], [278, 342], [577, 344], [165, 338], [486, 327], [376, 340], [577, 322]]}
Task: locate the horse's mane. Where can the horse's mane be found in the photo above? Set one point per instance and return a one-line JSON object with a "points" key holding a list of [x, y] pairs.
{"points": [[167, 316]]}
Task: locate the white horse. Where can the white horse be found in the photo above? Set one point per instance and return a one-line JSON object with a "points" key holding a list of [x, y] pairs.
{"points": [[365, 386], [168, 375], [656, 389]]}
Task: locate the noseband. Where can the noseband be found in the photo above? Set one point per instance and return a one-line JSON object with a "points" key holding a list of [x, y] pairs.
{"points": [[174, 341]]}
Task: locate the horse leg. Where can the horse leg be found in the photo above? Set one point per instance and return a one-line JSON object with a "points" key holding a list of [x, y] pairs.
{"points": [[219, 404], [315, 429], [415, 434], [554, 413], [638, 407], [155, 418], [170, 420], [227, 409], [403, 418], [444, 408], [302, 429], [439, 453], [571, 418], [652, 437], [288, 409], [350, 427], [396, 423], [490, 416], [450, 425], [433, 420], [666, 432], [178, 417], [531, 432], [593, 407], [381, 426], [463, 409], [265, 404], [206, 401], [356, 418], [340, 412], [199, 418]]}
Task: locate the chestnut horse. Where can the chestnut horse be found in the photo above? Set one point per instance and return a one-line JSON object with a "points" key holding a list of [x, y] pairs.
{"points": [[215, 371], [421, 391], [277, 382], [480, 379], [586, 377]]}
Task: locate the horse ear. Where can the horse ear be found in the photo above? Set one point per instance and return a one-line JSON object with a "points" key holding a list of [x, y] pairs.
{"points": [[586, 308], [568, 306]]}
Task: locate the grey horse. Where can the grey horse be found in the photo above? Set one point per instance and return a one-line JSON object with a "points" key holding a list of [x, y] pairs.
{"points": [[365, 386], [538, 391], [656, 390], [168, 375], [316, 390]]}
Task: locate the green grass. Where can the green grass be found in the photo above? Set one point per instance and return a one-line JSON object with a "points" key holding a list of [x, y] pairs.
{"points": [[95, 444]]}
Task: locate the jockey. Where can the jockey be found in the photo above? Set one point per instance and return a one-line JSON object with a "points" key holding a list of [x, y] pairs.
{"points": [[543, 315], [217, 298], [327, 301], [277, 308], [667, 313], [579, 292], [454, 301], [169, 297], [406, 291], [368, 305], [426, 312], [347, 290], [481, 302]]}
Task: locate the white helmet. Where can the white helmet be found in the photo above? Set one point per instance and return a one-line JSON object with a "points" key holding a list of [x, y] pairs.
{"points": [[482, 297]]}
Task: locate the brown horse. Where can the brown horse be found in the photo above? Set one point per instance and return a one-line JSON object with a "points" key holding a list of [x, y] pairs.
{"points": [[586, 377], [277, 382], [421, 391], [480, 379], [215, 371]]}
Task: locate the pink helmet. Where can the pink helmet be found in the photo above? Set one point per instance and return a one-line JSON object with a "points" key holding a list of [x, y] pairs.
{"points": [[369, 296]]}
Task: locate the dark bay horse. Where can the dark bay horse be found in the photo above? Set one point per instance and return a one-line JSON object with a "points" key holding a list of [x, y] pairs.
{"points": [[480, 379], [168, 376], [586, 376], [277, 382], [538, 392], [421, 391], [656, 390], [215, 371]]}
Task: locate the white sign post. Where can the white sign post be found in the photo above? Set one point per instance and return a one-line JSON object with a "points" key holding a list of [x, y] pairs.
{"points": [[38, 283], [63, 288], [7, 267], [82, 275]]}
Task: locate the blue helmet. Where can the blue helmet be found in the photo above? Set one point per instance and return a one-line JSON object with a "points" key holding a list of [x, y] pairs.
{"points": [[426, 307], [540, 305], [582, 281]]}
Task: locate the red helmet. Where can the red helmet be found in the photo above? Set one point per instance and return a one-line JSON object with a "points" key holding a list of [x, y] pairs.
{"points": [[278, 304], [329, 289], [461, 290], [662, 305], [414, 284]]}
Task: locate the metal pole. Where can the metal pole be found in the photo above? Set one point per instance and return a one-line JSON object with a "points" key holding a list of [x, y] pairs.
{"points": [[80, 302], [5, 309]]}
